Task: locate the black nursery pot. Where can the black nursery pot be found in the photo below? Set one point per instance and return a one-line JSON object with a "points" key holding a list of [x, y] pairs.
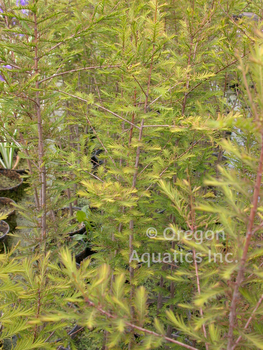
{"points": [[7, 206], [14, 191], [80, 230], [84, 254], [22, 171], [4, 230]]}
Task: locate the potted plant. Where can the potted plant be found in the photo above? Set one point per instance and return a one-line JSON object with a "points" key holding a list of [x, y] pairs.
{"points": [[7, 208], [4, 229], [8, 159], [10, 182]]}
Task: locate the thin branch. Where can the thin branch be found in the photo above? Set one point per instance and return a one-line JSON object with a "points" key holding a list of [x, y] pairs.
{"points": [[133, 118], [128, 324], [77, 70], [73, 36], [137, 157], [257, 228], [139, 85], [101, 107], [39, 304], [239, 27], [146, 166], [96, 177], [205, 21], [171, 88], [206, 79], [97, 88], [170, 340], [252, 274], [180, 156], [248, 321], [105, 149], [117, 115], [41, 150], [50, 335], [249, 94], [192, 227], [131, 223], [240, 274], [191, 56], [158, 126], [78, 330]]}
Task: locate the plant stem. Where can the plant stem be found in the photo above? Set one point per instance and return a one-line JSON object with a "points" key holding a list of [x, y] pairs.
{"points": [[42, 167], [129, 324], [70, 204], [248, 321], [193, 228], [241, 270]]}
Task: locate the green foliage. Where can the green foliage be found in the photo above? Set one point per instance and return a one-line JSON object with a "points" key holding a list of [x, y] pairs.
{"points": [[7, 150], [171, 201]]}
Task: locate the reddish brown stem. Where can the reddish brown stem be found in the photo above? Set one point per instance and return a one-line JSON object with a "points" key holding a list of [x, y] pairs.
{"points": [[38, 311], [133, 117], [129, 324], [76, 70], [42, 168], [248, 321], [70, 204], [241, 270]]}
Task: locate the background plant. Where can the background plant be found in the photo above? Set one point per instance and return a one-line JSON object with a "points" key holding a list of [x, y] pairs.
{"points": [[145, 86], [7, 151]]}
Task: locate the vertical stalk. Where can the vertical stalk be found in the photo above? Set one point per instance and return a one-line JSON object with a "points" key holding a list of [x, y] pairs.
{"points": [[70, 204], [172, 291], [241, 270], [133, 186], [31, 171], [42, 168], [131, 225], [193, 228], [160, 297], [188, 80], [133, 117]]}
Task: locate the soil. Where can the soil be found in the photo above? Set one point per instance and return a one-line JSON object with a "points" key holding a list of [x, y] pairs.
{"points": [[6, 182], [6, 208], [3, 228]]}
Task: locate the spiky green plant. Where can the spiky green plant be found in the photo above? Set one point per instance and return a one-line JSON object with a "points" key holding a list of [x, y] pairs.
{"points": [[7, 151]]}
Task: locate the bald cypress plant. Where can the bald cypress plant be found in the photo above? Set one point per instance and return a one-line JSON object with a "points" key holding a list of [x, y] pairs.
{"points": [[174, 199]]}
